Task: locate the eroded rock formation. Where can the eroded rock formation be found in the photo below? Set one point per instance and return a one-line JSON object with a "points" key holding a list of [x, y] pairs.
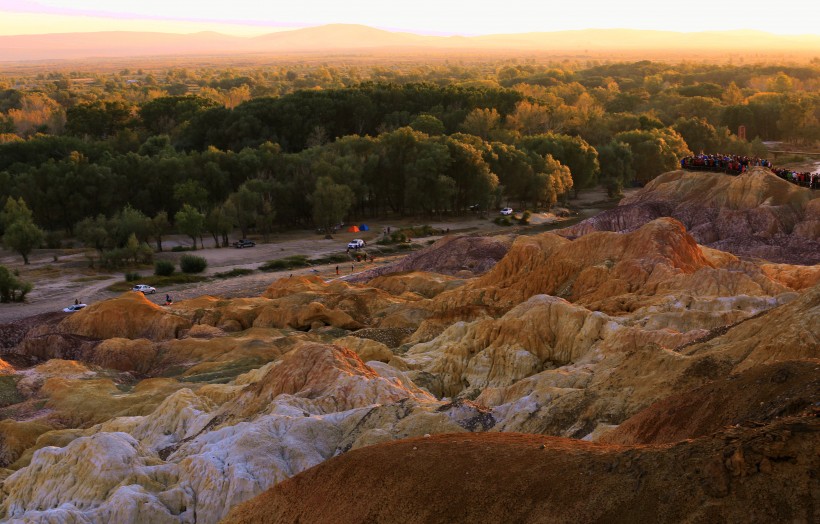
{"points": [[671, 356], [754, 214]]}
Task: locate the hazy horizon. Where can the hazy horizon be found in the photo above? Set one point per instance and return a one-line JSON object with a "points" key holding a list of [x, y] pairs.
{"points": [[422, 17], [357, 38]]}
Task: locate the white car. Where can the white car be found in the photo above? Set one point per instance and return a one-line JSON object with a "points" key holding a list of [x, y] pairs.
{"points": [[356, 243], [73, 308], [507, 211], [144, 289]]}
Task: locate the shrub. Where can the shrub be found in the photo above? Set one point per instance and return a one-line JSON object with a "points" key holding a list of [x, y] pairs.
{"points": [[192, 264], [333, 258], [525, 218], [285, 263], [131, 277], [54, 240], [235, 272], [398, 236], [502, 221], [178, 249], [113, 258], [145, 253], [164, 268], [12, 289]]}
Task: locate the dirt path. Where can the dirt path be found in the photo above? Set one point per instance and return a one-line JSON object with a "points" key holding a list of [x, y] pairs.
{"points": [[61, 276]]}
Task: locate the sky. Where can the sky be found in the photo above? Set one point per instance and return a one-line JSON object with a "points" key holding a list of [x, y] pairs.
{"points": [[434, 17]]}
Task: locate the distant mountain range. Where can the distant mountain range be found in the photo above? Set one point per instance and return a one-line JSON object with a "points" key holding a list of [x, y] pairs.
{"points": [[343, 37]]}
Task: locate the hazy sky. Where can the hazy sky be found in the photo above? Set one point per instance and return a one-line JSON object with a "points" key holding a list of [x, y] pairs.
{"points": [[466, 17]]}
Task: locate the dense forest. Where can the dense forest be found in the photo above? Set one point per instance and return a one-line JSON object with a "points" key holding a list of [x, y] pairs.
{"points": [[105, 157]]}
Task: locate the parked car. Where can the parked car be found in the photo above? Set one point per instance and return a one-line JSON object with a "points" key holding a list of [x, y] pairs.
{"points": [[74, 307], [144, 289], [356, 243], [507, 211], [244, 243]]}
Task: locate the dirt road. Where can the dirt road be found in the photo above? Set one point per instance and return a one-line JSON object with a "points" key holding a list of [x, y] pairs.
{"points": [[61, 276]]}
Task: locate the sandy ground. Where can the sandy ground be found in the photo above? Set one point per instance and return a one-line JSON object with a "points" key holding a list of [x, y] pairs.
{"points": [[61, 276]]}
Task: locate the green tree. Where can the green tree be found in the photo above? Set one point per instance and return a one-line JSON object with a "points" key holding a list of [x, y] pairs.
{"points": [[219, 224], [616, 166], [428, 124], [160, 225], [654, 152], [245, 203], [97, 119], [23, 236], [481, 122], [331, 202], [190, 221], [699, 134], [12, 289], [127, 222], [20, 232], [573, 152], [191, 192], [93, 232], [15, 210], [132, 248], [163, 115]]}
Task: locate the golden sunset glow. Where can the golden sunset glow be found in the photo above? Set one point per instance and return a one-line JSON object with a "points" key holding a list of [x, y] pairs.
{"points": [[247, 18]]}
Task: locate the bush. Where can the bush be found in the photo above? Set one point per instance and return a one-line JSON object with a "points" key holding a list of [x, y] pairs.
{"points": [[281, 264], [158, 281], [525, 218], [178, 249], [164, 268], [334, 258], [12, 289], [131, 277], [235, 272], [192, 264], [54, 240], [502, 221], [397, 236]]}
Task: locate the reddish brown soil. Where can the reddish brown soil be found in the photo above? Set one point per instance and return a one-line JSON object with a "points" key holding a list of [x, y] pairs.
{"points": [[756, 396], [763, 474]]}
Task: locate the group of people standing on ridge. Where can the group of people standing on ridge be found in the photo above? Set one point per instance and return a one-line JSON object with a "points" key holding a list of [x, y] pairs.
{"points": [[736, 164]]}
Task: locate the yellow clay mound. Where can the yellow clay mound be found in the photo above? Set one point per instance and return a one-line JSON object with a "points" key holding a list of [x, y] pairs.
{"points": [[130, 315]]}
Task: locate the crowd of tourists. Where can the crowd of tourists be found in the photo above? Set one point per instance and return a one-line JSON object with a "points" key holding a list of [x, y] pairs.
{"points": [[737, 164]]}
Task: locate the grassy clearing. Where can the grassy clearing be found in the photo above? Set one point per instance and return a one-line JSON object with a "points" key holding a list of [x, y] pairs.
{"points": [[224, 373], [790, 159], [235, 272], [157, 281], [8, 391], [92, 278], [281, 264]]}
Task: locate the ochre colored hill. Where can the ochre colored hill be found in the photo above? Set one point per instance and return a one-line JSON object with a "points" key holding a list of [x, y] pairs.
{"points": [[748, 475], [692, 372], [605, 271], [758, 395], [328, 378], [463, 256], [131, 315], [754, 214]]}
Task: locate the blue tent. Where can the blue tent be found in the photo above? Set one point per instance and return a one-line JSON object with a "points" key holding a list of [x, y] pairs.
{"points": [[363, 227]]}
